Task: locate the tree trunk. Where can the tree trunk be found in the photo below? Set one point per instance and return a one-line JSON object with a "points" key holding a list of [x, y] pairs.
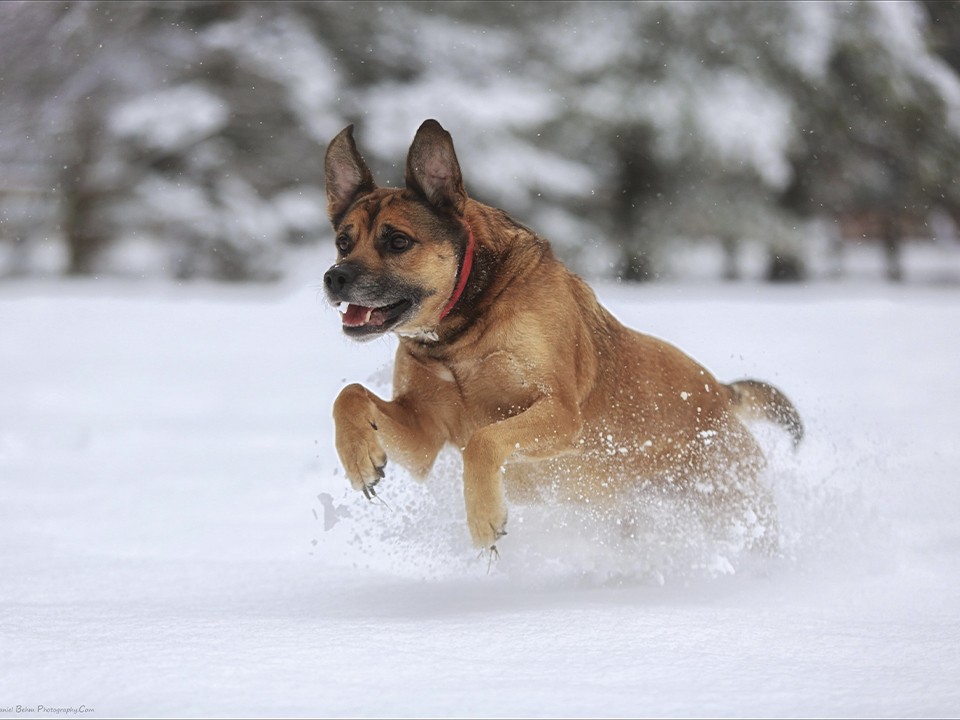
{"points": [[83, 242], [892, 248], [81, 197], [636, 266], [731, 268], [785, 267]]}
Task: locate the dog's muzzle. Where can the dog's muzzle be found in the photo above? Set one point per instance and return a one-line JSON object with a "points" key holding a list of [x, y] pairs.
{"points": [[339, 279], [367, 306]]}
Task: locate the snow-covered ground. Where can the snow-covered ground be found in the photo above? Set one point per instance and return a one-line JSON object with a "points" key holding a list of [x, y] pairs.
{"points": [[176, 538]]}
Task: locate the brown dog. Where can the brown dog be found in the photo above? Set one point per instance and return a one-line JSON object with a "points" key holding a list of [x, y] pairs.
{"points": [[507, 355]]}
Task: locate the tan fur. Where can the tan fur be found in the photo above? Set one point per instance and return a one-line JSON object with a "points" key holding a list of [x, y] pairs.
{"points": [[538, 385]]}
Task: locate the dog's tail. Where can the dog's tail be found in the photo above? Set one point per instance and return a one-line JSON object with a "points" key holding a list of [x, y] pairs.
{"points": [[756, 400]]}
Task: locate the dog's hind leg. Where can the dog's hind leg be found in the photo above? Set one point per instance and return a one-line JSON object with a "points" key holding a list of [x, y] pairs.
{"points": [[731, 481]]}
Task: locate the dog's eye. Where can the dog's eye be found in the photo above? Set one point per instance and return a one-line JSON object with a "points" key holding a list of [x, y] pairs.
{"points": [[398, 243], [343, 243]]}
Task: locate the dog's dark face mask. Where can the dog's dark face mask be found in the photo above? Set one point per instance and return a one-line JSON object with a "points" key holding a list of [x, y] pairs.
{"points": [[398, 250]]}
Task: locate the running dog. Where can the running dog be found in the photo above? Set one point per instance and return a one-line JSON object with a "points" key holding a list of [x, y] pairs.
{"points": [[508, 356]]}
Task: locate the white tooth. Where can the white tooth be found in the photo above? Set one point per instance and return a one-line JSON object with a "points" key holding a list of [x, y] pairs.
{"points": [[367, 318]]}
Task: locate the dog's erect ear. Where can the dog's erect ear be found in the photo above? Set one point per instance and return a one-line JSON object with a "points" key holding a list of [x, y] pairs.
{"points": [[433, 170], [346, 173]]}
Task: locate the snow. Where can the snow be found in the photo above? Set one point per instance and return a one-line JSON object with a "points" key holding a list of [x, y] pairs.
{"points": [[280, 49], [900, 27], [747, 124], [494, 160], [176, 538], [171, 120], [810, 37]]}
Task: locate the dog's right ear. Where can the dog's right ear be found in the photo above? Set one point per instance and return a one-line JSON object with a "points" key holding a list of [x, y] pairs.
{"points": [[347, 175]]}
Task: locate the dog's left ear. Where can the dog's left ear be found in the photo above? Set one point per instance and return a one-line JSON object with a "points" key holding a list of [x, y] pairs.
{"points": [[346, 174], [433, 170]]}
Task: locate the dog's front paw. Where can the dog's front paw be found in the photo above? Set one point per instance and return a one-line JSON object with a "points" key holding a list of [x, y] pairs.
{"points": [[487, 526], [357, 439], [363, 459], [483, 492]]}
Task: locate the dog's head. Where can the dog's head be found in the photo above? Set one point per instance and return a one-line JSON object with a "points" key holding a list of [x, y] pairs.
{"points": [[399, 251]]}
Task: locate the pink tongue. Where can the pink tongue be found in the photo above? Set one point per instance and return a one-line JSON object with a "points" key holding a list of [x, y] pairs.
{"points": [[356, 315]]}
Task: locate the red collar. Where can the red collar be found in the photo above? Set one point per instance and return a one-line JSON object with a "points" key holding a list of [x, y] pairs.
{"points": [[464, 273]]}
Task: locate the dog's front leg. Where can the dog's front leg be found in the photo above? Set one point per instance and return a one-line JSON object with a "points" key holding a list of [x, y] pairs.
{"points": [[368, 427], [546, 428]]}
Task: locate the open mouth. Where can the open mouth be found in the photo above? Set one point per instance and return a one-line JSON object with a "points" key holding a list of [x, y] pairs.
{"points": [[362, 320]]}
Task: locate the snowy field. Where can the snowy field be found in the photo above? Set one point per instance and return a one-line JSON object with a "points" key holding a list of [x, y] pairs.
{"points": [[176, 538]]}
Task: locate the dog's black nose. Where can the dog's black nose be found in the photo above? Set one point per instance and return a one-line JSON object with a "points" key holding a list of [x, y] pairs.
{"points": [[339, 277]]}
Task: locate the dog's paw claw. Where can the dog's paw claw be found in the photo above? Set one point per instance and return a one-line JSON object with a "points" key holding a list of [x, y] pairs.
{"points": [[486, 532], [492, 555]]}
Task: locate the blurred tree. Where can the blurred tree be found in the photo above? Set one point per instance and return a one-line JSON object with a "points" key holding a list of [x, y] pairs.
{"points": [[944, 30], [692, 139], [744, 120], [618, 129], [25, 180], [65, 68], [877, 123], [176, 122]]}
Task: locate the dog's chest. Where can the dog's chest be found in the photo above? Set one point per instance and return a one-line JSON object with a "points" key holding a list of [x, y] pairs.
{"points": [[496, 386], [488, 388]]}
